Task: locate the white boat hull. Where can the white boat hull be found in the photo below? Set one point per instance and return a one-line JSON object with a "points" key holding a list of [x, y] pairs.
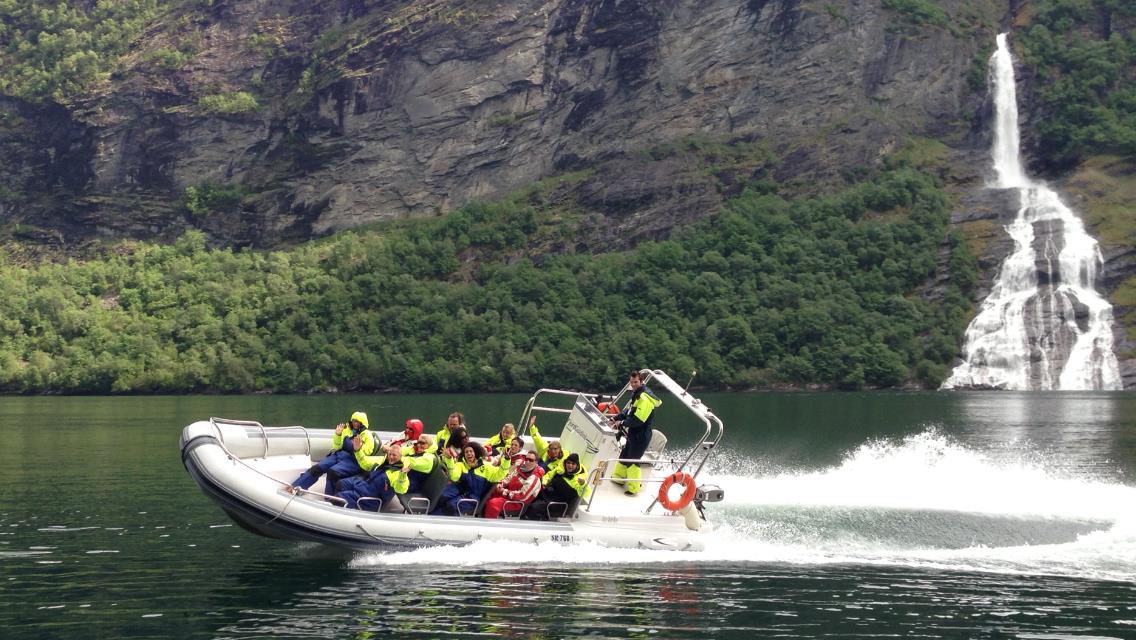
{"points": [[245, 468]]}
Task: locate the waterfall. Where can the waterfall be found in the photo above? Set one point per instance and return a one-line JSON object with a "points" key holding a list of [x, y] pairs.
{"points": [[1043, 326]]}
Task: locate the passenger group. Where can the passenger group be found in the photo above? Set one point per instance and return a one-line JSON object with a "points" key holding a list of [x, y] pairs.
{"points": [[499, 477]]}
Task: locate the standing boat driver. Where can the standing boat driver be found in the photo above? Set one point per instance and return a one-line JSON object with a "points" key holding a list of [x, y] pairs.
{"points": [[352, 442], [636, 420]]}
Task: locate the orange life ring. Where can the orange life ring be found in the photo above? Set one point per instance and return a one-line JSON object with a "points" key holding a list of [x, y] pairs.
{"points": [[687, 482]]}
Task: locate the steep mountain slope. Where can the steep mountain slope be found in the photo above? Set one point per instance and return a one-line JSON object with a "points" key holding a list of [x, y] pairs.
{"points": [[270, 123], [284, 121]]}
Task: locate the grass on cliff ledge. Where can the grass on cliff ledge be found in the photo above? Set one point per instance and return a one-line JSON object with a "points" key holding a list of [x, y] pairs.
{"points": [[1124, 301], [1103, 189]]}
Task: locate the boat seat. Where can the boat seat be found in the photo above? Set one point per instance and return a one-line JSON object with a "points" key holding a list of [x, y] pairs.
{"points": [[484, 499], [505, 513], [657, 444], [477, 504], [394, 506], [556, 510], [423, 501], [468, 507]]}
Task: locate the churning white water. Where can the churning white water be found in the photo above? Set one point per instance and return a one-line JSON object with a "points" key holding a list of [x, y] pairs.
{"points": [[1043, 326], [921, 501]]}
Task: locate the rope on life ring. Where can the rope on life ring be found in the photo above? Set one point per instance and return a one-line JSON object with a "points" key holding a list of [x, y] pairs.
{"points": [[687, 482]]}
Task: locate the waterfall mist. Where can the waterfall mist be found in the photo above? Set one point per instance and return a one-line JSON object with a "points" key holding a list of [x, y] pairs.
{"points": [[1043, 326]]}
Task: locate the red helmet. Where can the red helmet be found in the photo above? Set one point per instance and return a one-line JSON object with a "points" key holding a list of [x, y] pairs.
{"points": [[414, 428]]}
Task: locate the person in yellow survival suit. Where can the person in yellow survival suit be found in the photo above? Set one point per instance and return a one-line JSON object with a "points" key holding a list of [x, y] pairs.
{"points": [[419, 463], [401, 472], [552, 455], [636, 419], [500, 441], [383, 482], [564, 484], [343, 461], [453, 421], [471, 478]]}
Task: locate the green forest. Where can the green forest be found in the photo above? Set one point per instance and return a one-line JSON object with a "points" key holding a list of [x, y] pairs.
{"points": [[1084, 69], [777, 288], [53, 50], [771, 291]]}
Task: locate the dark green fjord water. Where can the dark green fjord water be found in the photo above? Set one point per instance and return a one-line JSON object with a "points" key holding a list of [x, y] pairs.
{"points": [[930, 515]]}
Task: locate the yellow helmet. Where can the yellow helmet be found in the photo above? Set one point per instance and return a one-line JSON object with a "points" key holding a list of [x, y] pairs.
{"points": [[361, 418]]}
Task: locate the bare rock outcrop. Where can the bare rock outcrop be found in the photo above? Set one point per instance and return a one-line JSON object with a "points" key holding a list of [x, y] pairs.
{"points": [[371, 112]]}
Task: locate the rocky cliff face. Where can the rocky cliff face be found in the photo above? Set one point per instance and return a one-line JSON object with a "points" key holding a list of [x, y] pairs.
{"points": [[372, 111], [411, 109]]}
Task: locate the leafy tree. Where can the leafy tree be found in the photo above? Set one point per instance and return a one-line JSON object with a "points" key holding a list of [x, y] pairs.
{"points": [[1083, 54], [52, 50], [801, 291]]}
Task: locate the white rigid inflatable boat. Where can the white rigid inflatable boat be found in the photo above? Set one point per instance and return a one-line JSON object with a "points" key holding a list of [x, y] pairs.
{"points": [[246, 468]]}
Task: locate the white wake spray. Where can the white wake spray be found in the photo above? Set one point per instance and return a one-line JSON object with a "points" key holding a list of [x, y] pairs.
{"points": [[923, 501], [933, 473]]}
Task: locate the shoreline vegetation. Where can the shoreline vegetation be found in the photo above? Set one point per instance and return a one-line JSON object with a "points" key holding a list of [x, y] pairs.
{"points": [[864, 288], [771, 293]]}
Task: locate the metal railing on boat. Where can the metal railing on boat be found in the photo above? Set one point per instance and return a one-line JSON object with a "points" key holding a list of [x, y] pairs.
{"points": [[713, 432], [263, 433], [711, 436], [296, 491]]}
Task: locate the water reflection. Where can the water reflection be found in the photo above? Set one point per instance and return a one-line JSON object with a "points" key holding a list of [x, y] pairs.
{"points": [[1066, 423], [180, 570], [718, 600], [1018, 411], [433, 601]]}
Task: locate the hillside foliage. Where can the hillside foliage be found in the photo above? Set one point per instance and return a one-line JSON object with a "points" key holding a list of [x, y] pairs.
{"points": [[1083, 53], [771, 291], [55, 49]]}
